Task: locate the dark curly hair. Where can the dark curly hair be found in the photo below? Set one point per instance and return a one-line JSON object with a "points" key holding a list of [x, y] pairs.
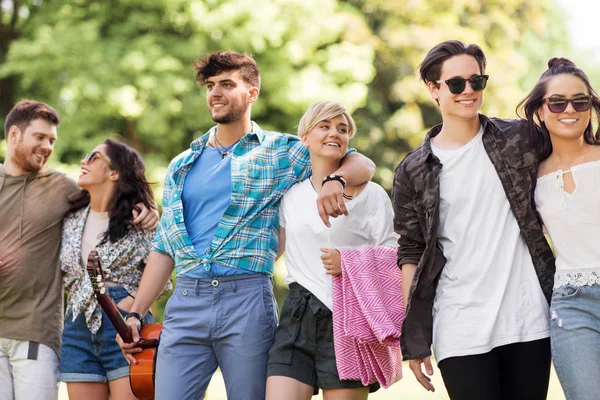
{"points": [[529, 106], [220, 61], [132, 189]]}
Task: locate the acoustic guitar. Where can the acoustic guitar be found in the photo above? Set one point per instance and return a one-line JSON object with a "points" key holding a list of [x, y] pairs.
{"points": [[141, 375]]}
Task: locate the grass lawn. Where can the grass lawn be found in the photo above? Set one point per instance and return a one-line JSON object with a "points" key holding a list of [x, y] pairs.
{"points": [[407, 389]]}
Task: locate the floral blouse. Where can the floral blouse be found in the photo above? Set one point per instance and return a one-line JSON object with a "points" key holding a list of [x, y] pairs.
{"points": [[126, 260]]}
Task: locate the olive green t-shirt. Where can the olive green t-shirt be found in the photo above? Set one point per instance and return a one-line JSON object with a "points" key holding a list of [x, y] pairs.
{"points": [[32, 208]]}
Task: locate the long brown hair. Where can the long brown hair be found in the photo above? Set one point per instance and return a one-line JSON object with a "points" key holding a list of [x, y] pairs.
{"points": [[132, 189], [530, 105]]}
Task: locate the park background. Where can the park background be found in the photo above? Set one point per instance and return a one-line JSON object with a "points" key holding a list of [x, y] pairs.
{"points": [[124, 68]]}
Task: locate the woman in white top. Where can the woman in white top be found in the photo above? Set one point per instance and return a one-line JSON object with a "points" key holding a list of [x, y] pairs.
{"points": [[567, 196], [302, 358]]}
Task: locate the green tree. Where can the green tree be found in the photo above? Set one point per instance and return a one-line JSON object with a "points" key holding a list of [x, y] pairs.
{"points": [[125, 67], [515, 35]]}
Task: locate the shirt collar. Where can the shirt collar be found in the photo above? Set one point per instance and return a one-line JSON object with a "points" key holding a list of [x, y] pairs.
{"points": [[199, 144], [433, 132]]}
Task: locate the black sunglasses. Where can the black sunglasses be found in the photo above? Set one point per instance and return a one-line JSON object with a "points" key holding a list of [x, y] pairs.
{"points": [[457, 85], [558, 104]]}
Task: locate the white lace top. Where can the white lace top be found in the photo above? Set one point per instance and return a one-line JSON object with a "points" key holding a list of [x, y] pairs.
{"points": [[573, 223]]}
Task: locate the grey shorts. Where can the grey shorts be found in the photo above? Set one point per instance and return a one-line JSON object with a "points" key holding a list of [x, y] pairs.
{"points": [[303, 347]]}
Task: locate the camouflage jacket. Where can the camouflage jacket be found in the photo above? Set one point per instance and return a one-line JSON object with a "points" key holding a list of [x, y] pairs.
{"points": [[416, 197]]}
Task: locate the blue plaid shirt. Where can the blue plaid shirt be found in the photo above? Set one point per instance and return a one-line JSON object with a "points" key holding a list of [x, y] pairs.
{"points": [[264, 165]]}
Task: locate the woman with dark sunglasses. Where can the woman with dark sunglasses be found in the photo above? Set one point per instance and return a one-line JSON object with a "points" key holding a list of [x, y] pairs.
{"points": [[114, 189], [559, 111], [477, 270]]}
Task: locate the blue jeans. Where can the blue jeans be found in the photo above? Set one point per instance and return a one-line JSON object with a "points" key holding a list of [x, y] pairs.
{"points": [[88, 357], [575, 337], [227, 322]]}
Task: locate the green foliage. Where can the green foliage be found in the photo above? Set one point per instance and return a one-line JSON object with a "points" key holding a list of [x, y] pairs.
{"points": [[517, 37], [126, 68]]}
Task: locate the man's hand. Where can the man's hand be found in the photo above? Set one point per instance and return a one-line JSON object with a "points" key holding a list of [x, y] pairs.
{"points": [[147, 219], [129, 349], [331, 201], [424, 380], [331, 261]]}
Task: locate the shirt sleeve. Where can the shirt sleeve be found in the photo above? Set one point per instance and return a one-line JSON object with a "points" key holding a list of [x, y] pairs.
{"points": [[382, 223], [411, 243], [282, 212], [71, 189], [161, 243], [300, 157]]}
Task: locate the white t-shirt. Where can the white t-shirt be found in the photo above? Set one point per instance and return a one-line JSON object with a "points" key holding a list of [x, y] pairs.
{"points": [[95, 226], [369, 223], [488, 294]]}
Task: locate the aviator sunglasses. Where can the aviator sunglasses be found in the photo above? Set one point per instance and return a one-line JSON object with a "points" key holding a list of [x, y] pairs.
{"points": [[457, 85], [95, 155], [558, 104]]}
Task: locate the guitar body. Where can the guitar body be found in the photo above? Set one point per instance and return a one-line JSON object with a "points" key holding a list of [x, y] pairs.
{"points": [[141, 375]]}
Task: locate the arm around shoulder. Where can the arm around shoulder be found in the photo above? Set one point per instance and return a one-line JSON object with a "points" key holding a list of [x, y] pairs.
{"points": [[356, 169]]}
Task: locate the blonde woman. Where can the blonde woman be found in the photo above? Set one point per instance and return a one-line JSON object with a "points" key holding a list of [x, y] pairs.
{"points": [[302, 359]]}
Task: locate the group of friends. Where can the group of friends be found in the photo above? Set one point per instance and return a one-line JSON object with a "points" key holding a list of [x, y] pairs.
{"points": [[470, 210]]}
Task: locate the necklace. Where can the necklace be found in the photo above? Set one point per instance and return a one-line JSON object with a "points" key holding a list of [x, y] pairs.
{"points": [[223, 150]]}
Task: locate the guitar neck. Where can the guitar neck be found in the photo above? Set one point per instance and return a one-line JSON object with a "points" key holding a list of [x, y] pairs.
{"points": [[113, 313]]}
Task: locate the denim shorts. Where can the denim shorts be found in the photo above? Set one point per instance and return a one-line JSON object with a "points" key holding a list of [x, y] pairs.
{"points": [[303, 347], [88, 357]]}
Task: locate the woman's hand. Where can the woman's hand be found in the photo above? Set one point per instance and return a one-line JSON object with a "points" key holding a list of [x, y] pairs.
{"points": [[331, 261]]}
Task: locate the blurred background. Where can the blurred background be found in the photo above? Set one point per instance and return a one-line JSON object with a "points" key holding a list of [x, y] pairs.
{"points": [[124, 68]]}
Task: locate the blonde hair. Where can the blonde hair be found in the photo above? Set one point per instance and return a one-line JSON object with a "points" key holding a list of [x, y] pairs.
{"points": [[323, 110]]}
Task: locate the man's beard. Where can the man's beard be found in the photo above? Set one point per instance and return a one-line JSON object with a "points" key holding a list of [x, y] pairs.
{"points": [[21, 158], [235, 114]]}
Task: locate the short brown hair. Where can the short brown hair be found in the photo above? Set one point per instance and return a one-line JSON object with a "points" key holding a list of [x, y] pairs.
{"points": [[219, 61], [431, 67], [26, 111]]}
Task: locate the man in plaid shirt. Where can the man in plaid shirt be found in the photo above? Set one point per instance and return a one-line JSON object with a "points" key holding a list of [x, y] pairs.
{"points": [[219, 230]]}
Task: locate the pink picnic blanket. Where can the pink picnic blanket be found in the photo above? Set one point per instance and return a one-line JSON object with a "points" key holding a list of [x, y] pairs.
{"points": [[368, 311]]}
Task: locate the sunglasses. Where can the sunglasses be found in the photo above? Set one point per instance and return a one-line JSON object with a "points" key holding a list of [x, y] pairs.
{"points": [[95, 155], [558, 104], [457, 85]]}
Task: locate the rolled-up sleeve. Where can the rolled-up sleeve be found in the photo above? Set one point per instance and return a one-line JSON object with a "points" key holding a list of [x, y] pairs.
{"points": [[161, 243], [411, 243]]}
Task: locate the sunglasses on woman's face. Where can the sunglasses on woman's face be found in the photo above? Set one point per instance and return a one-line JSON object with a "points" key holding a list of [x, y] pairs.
{"points": [[457, 85], [559, 104], [95, 155]]}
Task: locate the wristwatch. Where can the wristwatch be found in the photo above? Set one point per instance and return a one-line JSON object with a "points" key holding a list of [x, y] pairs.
{"points": [[137, 316], [333, 177]]}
